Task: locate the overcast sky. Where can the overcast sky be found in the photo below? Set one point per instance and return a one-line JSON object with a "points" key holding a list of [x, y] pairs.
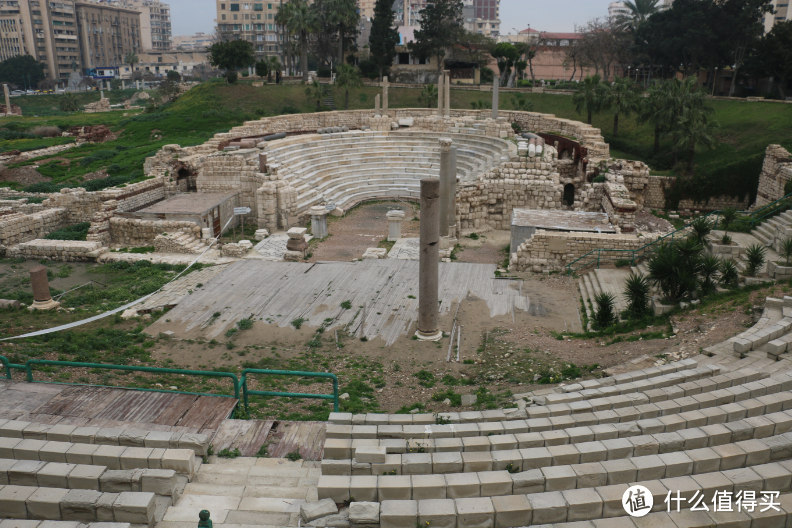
{"points": [[191, 16]]}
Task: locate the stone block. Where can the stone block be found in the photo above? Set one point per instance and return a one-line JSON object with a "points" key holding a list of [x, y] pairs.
{"points": [[428, 487], [158, 481], [370, 455], [440, 513], [334, 487], [394, 487], [584, 504], [450, 462], [180, 460], [104, 507], [364, 513], [44, 503], [80, 505], [495, 483], [136, 458], [54, 475], [134, 507], [81, 454], [23, 472], [416, 464], [462, 485], [133, 438], [548, 508], [108, 455], [86, 477], [13, 501], [512, 511], [532, 481], [398, 514], [316, 509], [475, 513]]}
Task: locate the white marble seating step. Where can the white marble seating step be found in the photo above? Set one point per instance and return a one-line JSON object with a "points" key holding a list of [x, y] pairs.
{"points": [[340, 187], [30, 523]]}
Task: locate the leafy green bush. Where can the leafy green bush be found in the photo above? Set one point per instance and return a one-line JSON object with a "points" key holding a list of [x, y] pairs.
{"points": [[600, 179], [245, 324], [99, 155], [604, 314], [426, 378], [74, 232]]}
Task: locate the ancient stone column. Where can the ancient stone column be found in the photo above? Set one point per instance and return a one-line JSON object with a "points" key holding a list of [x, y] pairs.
{"points": [[101, 94], [447, 97], [377, 111], [123, 84], [318, 221], [445, 184], [452, 195], [394, 224], [42, 300], [429, 267], [7, 99], [440, 93], [137, 85], [385, 96], [495, 102], [263, 163]]}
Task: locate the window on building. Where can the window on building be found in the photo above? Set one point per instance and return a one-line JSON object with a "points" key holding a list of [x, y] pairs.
{"points": [[236, 17], [269, 16], [258, 7], [234, 7], [258, 17], [222, 17], [269, 6]]}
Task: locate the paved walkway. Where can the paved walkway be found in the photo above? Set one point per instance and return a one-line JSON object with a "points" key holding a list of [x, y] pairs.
{"points": [[273, 247], [405, 249]]}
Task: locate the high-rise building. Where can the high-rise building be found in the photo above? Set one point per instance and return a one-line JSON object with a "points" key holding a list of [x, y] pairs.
{"points": [[44, 29], [155, 23], [251, 20], [616, 9], [482, 17], [366, 8], [106, 33], [197, 42], [782, 13]]}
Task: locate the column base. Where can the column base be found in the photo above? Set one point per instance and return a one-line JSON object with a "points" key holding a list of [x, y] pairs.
{"points": [[429, 337], [43, 305]]}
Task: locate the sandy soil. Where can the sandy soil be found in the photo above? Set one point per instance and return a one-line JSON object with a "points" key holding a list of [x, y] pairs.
{"points": [[23, 175]]}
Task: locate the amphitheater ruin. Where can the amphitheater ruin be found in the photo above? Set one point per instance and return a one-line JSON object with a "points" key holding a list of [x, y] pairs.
{"points": [[711, 426]]}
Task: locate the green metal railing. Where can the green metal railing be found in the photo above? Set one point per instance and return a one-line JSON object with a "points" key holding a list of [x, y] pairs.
{"points": [[208, 374], [596, 257], [247, 392], [240, 386]]}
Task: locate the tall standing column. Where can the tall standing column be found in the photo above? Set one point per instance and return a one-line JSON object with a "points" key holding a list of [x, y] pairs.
{"points": [[377, 106], [452, 230], [495, 102], [7, 99], [445, 184], [385, 96], [440, 93], [429, 266], [42, 300], [318, 221], [447, 96]]}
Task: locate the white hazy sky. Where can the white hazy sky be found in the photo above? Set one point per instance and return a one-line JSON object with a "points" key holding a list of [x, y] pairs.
{"points": [[191, 16]]}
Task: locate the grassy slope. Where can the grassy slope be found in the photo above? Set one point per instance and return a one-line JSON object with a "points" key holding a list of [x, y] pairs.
{"points": [[747, 128]]}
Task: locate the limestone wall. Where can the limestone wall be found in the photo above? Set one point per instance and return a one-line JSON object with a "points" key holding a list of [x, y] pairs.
{"points": [[776, 171], [620, 208], [552, 250], [49, 151], [61, 250], [18, 227], [654, 198], [134, 232]]}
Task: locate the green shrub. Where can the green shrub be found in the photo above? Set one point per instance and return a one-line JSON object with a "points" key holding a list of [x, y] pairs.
{"points": [[245, 324], [294, 456], [600, 179], [73, 232], [604, 314], [426, 378], [754, 259], [637, 289]]}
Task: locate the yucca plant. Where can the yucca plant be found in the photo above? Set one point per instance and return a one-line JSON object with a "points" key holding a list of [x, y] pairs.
{"points": [[728, 216], [605, 314], [636, 289], [710, 266], [728, 272], [674, 268], [754, 259], [726, 240], [786, 250], [701, 229]]}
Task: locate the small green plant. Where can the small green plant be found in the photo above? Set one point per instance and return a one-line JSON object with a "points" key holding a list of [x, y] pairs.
{"points": [[473, 236], [637, 289], [231, 332], [754, 259], [511, 468], [346, 305], [728, 216], [426, 378], [364, 339], [726, 240], [413, 296], [701, 229], [294, 456], [263, 451], [786, 250], [229, 453], [297, 323], [245, 324], [605, 314], [621, 263], [728, 272]]}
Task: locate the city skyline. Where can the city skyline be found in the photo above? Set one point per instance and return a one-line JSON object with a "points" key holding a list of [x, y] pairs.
{"points": [[515, 14]]}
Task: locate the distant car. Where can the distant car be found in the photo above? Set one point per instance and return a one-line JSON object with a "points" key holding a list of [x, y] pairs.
{"points": [[17, 92]]}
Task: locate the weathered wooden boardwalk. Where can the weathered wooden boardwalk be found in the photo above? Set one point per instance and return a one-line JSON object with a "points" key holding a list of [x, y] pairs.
{"points": [[383, 295]]}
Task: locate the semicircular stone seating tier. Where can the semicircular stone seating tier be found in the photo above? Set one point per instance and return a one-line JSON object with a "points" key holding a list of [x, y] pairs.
{"points": [[345, 168]]}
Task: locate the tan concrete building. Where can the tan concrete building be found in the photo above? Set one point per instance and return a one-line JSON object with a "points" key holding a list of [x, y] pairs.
{"points": [[482, 17], [107, 33], [155, 23], [197, 42], [782, 13], [251, 20], [45, 29]]}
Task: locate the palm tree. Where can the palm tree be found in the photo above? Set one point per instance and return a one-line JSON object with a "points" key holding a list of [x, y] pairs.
{"points": [[131, 59], [273, 64], [282, 18], [428, 95], [696, 129], [343, 13], [728, 216], [623, 98], [302, 20], [636, 12], [316, 92], [348, 78], [651, 111], [522, 103], [589, 96], [481, 105]]}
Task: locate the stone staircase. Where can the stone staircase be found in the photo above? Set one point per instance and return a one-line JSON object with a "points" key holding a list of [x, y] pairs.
{"points": [[606, 281], [179, 242], [329, 102]]}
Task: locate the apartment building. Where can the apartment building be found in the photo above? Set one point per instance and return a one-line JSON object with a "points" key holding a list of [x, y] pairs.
{"points": [[106, 33], [197, 42], [44, 29], [155, 23], [783, 13], [253, 21], [482, 17]]}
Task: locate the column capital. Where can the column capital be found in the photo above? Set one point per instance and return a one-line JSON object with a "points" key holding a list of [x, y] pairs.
{"points": [[445, 144]]}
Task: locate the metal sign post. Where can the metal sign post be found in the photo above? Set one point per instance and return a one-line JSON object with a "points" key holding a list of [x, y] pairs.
{"points": [[241, 211]]}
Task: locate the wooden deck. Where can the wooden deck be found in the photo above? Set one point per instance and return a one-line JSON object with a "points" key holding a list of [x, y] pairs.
{"points": [[109, 407], [281, 292]]}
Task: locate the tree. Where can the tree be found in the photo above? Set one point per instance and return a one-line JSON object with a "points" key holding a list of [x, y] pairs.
{"points": [[22, 70], [262, 68], [473, 48], [637, 12], [281, 18], [230, 55], [68, 103], [773, 56], [650, 110], [605, 47], [384, 37], [273, 65], [590, 97], [441, 28], [696, 129], [622, 97], [174, 76], [343, 14], [300, 19], [428, 95], [507, 56], [348, 78], [131, 59], [742, 26], [317, 92]]}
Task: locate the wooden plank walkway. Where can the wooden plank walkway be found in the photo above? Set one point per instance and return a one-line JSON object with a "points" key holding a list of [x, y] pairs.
{"points": [[284, 291], [110, 407]]}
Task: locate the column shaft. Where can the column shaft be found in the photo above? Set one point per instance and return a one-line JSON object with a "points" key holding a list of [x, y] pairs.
{"points": [[445, 185], [429, 266]]}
